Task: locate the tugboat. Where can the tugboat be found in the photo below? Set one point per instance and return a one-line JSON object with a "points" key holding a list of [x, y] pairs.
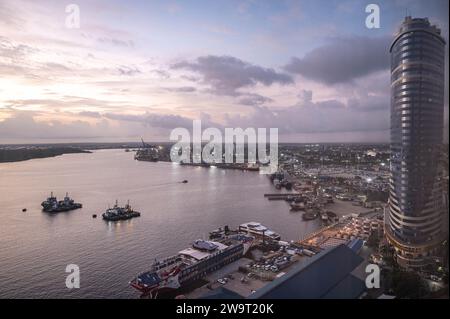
{"points": [[120, 213], [52, 205]]}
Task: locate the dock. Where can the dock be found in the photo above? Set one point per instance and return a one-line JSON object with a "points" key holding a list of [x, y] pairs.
{"points": [[281, 194]]}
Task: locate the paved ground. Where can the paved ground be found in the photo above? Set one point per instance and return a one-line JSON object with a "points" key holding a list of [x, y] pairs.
{"points": [[342, 208], [242, 288], [221, 273]]}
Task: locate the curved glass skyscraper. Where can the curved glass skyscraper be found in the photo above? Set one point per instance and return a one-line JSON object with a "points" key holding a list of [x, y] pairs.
{"points": [[416, 217]]}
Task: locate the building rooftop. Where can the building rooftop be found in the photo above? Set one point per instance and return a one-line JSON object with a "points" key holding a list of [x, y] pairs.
{"points": [[356, 244], [221, 293], [194, 253], [327, 275]]}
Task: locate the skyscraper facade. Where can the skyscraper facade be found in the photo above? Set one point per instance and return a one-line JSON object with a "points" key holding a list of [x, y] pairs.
{"points": [[416, 214]]}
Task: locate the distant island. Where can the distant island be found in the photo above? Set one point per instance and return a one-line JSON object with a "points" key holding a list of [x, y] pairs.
{"points": [[17, 154]]}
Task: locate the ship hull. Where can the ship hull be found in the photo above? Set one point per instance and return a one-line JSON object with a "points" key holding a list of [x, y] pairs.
{"points": [[61, 209], [194, 273]]}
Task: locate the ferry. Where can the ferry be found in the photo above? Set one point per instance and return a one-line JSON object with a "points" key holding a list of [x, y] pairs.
{"points": [[191, 264], [257, 229]]}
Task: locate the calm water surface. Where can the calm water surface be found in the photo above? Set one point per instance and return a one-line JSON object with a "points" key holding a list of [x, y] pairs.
{"points": [[36, 247]]}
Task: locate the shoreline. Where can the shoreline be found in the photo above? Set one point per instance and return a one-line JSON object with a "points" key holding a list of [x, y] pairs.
{"points": [[25, 154]]}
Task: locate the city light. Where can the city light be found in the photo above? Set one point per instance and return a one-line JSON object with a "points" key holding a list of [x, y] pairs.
{"points": [[247, 151]]}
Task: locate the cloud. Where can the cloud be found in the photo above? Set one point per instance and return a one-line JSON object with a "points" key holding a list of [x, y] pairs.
{"points": [[373, 103], [161, 121], [254, 99], [181, 89], [305, 96], [9, 15], [23, 126], [227, 74], [116, 42], [128, 70], [343, 59], [106, 35], [62, 103], [307, 116], [56, 67], [90, 114], [167, 121], [9, 49], [163, 74]]}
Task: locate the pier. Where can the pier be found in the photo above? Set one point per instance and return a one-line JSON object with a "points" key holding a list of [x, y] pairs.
{"points": [[281, 194]]}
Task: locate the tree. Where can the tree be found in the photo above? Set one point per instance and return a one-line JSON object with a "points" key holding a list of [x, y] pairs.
{"points": [[407, 284], [388, 254], [374, 240]]}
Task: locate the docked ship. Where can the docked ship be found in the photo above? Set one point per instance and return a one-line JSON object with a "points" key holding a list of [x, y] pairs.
{"points": [[310, 215], [256, 229], [120, 213], [191, 264], [52, 205], [147, 152], [297, 206]]}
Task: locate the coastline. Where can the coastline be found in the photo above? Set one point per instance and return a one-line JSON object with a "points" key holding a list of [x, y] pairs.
{"points": [[25, 154]]}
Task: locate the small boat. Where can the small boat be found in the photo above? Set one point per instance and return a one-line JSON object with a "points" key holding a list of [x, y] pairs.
{"points": [[185, 181], [297, 206], [332, 216], [309, 216]]}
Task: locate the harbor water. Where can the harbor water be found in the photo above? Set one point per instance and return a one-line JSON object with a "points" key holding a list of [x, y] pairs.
{"points": [[36, 247]]}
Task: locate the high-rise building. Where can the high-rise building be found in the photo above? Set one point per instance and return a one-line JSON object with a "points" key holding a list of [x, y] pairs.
{"points": [[416, 214]]}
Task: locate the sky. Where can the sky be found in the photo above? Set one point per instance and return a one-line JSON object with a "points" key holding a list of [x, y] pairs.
{"points": [[133, 69]]}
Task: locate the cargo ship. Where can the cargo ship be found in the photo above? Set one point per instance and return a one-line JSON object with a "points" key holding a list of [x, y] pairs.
{"points": [[52, 205], [148, 153], [191, 264], [120, 213]]}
